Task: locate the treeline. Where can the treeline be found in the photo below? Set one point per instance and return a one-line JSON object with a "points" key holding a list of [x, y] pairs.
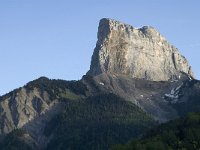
{"points": [[55, 87]]}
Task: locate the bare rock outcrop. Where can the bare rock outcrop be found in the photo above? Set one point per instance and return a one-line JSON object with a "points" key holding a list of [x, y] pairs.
{"points": [[139, 53], [21, 107]]}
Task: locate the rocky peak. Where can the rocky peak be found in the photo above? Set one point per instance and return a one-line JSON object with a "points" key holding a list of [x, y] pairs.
{"points": [[137, 52]]}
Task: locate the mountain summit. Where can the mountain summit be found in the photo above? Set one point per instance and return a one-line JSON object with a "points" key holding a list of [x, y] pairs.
{"points": [[139, 53]]}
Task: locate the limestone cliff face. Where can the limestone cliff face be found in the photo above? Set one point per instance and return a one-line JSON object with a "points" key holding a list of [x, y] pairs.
{"points": [[140, 53]]}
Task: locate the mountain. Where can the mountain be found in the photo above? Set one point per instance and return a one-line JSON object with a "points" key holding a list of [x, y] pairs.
{"points": [[140, 66], [136, 81]]}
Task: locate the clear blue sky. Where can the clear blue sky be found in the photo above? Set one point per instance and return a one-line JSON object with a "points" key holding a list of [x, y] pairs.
{"points": [[56, 38]]}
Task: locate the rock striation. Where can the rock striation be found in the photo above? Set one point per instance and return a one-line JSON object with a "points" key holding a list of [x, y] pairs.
{"points": [[21, 107], [139, 53]]}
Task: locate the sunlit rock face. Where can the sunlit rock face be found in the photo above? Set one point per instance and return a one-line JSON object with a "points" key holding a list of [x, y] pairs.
{"points": [[140, 53]]}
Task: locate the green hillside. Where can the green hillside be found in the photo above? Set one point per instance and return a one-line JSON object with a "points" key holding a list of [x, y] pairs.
{"points": [[97, 123], [180, 134]]}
